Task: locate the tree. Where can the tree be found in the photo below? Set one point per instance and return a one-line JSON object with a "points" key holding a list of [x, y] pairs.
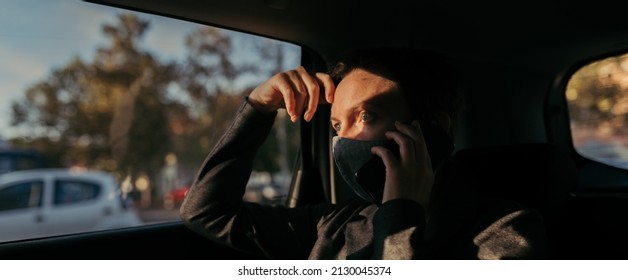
{"points": [[598, 93], [92, 109], [124, 110]]}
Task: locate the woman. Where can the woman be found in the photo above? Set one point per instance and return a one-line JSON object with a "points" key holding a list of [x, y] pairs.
{"points": [[378, 97]]}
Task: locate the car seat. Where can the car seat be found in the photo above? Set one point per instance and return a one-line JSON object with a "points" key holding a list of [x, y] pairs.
{"points": [[536, 175]]}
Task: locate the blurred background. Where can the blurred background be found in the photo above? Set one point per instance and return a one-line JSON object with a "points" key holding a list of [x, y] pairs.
{"points": [[143, 98]]}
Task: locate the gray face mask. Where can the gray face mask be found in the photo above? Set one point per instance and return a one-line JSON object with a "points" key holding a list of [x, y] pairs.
{"points": [[349, 156]]}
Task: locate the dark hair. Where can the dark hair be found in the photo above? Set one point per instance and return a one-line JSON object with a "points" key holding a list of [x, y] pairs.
{"points": [[426, 79]]}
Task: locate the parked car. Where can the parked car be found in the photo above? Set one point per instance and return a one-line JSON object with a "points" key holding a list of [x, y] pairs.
{"points": [[51, 202], [528, 114]]}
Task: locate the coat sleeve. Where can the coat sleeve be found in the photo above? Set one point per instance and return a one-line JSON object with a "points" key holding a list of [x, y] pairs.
{"points": [[214, 207], [398, 231]]}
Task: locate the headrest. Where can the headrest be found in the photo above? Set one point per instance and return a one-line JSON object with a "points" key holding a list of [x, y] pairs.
{"points": [[537, 175]]}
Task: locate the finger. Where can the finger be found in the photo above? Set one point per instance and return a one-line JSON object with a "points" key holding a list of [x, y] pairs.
{"points": [[312, 93], [421, 145], [328, 84], [413, 131], [386, 155], [285, 88], [299, 92], [407, 151]]}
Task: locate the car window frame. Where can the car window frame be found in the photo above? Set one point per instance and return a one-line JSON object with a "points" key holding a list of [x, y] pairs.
{"points": [[594, 178]]}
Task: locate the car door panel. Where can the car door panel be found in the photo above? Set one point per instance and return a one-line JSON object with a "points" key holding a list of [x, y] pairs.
{"points": [[22, 214], [20, 224], [595, 218], [164, 241]]}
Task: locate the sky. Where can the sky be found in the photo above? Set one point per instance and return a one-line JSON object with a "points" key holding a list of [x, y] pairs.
{"points": [[39, 35]]}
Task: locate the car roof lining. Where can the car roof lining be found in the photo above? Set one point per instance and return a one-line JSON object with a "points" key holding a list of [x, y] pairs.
{"points": [[534, 32]]}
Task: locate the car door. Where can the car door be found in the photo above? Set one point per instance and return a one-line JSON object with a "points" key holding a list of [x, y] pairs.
{"points": [[77, 205], [21, 210]]}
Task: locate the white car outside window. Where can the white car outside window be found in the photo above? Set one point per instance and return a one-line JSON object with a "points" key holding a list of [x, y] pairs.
{"points": [[48, 202]]}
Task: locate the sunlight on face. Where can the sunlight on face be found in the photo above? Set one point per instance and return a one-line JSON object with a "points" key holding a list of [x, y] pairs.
{"points": [[366, 106]]}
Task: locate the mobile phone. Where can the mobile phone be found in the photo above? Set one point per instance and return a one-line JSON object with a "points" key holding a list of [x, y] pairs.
{"points": [[372, 175]]}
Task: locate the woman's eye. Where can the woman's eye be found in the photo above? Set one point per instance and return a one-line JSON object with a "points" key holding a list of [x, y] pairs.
{"points": [[336, 126], [366, 116]]}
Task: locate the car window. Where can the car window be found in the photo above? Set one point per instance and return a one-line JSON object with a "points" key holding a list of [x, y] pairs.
{"points": [[141, 97], [597, 96], [66, 192], [21, 196]]}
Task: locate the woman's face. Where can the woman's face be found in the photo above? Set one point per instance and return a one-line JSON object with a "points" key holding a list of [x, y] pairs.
{"points": [[366, 106]]}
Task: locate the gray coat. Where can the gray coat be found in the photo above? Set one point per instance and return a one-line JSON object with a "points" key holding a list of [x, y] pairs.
{"points": [[461, 226]]}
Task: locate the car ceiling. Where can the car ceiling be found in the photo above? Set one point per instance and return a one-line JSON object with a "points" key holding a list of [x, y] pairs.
{"points": [[548, 34]]}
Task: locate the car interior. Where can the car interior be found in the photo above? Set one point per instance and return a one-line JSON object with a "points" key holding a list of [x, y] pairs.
{"points": [[514, 137]]}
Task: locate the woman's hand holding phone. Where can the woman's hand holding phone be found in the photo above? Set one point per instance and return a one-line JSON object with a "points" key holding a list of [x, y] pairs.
{"points": [[410, 176]]}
